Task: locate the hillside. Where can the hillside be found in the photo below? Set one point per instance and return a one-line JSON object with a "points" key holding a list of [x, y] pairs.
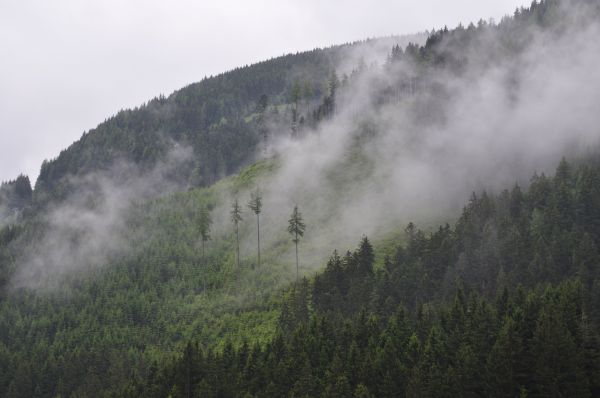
{"points": [[119, 273], [219, 119], [503, 303], [15, 196]]}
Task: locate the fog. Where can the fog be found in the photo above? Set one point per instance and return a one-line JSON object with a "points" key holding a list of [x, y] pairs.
{"points": [[90, 227], [375, 167], [380, 161], [67, 67]]}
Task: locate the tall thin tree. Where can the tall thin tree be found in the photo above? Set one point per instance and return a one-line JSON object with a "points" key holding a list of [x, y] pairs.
{"points": [[204, 224], [236, 217], [255, 205], [296, 228]]}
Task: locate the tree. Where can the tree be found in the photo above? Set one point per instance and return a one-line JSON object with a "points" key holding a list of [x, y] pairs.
{"points": [[307, 94], [365, 257], [361, 391], [263, 103], [261, 108], [255, 204], [296, 227], [204, 223], [236, 217], [558, 369], [333, 84], [505, 362], [295, 95]]}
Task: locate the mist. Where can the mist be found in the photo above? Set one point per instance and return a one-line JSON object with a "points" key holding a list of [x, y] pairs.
{"points": [[377, 165], [90, 228], [380, 161]]}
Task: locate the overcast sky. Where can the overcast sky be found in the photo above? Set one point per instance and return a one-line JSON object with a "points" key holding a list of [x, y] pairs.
{"points": [[68, 65]]}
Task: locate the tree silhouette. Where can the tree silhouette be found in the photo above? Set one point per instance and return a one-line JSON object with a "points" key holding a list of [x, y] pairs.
{"points": [[236, 217], [295, 96], [205, 222], [261, 108], [333, 84], [255, 205], [296, 227]]}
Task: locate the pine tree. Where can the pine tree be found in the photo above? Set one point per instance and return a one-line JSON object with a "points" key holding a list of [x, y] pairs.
{"points": [[261, 108], [307, 94], [366, 257], [296, 228], [296, 95], [236, 217], [263, 103], [255, 204], [204, 224], [333, 84], [505, 361], [558, 369]]}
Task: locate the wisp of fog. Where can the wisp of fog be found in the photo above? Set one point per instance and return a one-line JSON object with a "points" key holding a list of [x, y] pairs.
{"points": [[382, 160]]}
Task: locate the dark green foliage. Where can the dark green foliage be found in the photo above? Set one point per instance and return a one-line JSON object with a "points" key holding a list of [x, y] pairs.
{"points": [[506, 302], [216, 118], [15, 195], [443, 318], [204, 224], [255, 205], [296, 228], [104, 326], [236, 218]]}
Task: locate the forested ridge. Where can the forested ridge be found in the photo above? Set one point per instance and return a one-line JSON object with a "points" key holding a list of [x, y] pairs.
{"points": [[503, 303], [111, 288], [222, 119], [211, 117]]}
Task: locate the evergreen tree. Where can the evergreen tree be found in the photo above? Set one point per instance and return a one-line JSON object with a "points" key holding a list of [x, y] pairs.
{"points": [[262, 104], [236, 217], [296, 228], [307, 95], [506, 361], [255, 204], [261, 108], [205, 223], [366, 257], [295, 97], [558, 360], [334, 83]]}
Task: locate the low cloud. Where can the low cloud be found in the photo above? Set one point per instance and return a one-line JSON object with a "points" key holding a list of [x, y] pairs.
{"points": [[88, 229], [376, 165]]}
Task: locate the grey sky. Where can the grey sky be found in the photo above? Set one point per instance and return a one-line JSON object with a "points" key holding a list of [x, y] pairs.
{"points": [[67, 65]]}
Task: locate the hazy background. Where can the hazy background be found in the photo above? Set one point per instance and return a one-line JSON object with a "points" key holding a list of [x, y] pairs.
{"points": [[68, 65]]}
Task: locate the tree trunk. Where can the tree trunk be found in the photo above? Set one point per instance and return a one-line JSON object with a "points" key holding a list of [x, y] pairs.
{"points": [[204, 267], [237, 237], [297, 271], [188, 384], [258, 234]]}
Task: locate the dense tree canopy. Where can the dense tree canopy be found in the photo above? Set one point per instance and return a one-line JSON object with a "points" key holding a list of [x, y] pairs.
{"points": [[478, 309], [505, 302]]}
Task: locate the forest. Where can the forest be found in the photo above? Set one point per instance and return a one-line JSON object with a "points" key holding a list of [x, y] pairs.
{"points": [[189, 247], [503, 303]]}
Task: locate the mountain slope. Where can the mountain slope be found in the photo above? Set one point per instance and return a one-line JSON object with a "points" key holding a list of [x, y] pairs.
{"points": [[505, 303], [215, 117], [115, 268]]}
